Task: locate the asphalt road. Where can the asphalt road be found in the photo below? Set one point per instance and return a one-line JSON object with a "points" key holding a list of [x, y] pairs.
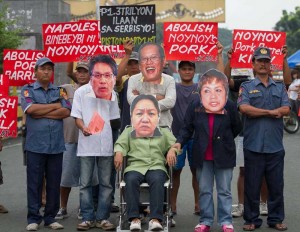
{"points": [[13, 193]]}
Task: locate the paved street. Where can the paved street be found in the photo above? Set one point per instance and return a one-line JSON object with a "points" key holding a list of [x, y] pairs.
{"points": [[13, 193]]}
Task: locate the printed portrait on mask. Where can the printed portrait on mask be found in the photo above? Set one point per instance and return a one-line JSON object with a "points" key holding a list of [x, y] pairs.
{"points": [[145, 117], [213, 88]]}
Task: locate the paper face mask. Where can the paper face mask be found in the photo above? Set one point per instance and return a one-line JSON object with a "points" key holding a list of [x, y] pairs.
{"points": [[102, 76], [213, 86], [144, 119]]}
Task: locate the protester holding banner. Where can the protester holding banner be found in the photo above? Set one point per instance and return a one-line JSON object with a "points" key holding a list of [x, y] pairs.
{"points": [[71, 163], [93, 108], [45, 106], [151, 80], [234, 85], [186, 92], [2, 208], [263, 135], [214, 122], [128, 67]]}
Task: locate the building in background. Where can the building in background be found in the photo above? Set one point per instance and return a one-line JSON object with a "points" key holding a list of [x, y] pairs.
{"points": [[166, 10]]}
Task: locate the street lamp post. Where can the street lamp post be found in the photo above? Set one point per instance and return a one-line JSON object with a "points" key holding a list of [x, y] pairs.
{"points": [[97, 9]]}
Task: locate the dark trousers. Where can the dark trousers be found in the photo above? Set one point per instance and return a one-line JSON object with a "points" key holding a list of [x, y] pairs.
{"points": [[38, 166], [271, 166], [156, 180]]}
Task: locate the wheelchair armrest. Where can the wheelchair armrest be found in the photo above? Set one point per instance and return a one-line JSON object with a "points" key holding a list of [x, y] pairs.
{"points": [[120, 173]]}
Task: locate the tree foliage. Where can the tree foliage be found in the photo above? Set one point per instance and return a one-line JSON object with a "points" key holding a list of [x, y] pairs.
{"points": [[10, 39], [290, 23]]}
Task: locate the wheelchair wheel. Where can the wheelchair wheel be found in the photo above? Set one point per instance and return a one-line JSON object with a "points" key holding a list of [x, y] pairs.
{"points": [[291, 123]]}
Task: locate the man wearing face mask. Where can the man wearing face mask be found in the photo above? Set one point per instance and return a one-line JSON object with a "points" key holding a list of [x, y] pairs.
{"points": [[95, 146], [153, 81]]}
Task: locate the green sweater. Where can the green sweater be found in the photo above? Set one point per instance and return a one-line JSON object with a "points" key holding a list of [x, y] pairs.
{"points": [[145, 154]]}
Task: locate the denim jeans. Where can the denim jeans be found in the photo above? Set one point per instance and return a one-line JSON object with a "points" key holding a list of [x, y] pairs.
{"points": [[156, 180], [71, 167], [270, 165], [103, 165], [223, 176], [38, 166]]}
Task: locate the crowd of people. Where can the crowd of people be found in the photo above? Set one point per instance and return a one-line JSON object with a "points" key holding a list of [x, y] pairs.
{"points": [[113, 112]]}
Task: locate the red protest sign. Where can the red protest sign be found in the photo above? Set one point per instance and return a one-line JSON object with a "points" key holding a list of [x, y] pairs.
{"points": [[19, 65], [4, 85], [66, 42], [246, 41], [115, 51], [194, 41], [8, 116]]}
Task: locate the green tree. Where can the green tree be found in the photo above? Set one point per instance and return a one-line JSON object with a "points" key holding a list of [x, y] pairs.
{"points": [[290, 23], [9, 38]]}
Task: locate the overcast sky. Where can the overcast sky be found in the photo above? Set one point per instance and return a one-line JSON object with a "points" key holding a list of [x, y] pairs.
{"points": [[256, 14]]}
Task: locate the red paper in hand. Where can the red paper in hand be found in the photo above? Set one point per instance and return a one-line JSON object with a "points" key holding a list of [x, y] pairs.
{"points": [[96, 124]]}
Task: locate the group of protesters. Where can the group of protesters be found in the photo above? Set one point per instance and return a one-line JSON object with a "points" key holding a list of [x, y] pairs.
{"points": [[78, 135]]}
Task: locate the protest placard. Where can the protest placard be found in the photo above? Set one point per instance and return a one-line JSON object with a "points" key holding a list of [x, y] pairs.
{"points": [[18, 65], [194, 41], [4, 85], [246, 41], [8, 116], [66, 42], [115, 51], [119, 23]]}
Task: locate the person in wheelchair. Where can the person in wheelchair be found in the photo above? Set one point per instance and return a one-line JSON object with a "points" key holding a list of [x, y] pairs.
{"points": [[145, 146]]}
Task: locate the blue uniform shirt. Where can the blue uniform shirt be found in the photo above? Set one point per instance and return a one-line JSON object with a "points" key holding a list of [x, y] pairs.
{"points": [[44, 135], [263, 134]]}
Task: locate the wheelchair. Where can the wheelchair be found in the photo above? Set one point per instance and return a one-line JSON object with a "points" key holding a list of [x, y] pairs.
{"points": [[123, 225]]}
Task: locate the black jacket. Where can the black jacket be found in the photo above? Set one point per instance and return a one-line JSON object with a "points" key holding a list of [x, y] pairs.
{"points": [[226, 127]]}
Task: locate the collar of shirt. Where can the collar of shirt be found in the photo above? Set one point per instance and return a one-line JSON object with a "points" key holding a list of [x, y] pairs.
{"points": [[37, 85], [161, 80], [270, 81]]}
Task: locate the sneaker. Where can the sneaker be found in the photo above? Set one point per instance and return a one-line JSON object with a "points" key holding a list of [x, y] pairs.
{"points": [[154, 225], [62, 213], [202, 228], [55, 226], [3, 209], [173, 222], [85, 225], [237, 210], [105, 225], [79, 214], [32, 227], [227, 228], [263, 209], [114, 208], [135, 225]]}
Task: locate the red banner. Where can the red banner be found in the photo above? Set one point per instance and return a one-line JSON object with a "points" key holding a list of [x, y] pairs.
{"points": [[19, 65], [66, 42], [246, 41], [194, 41], [8, 116], [4, 86], [115, 51]]}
